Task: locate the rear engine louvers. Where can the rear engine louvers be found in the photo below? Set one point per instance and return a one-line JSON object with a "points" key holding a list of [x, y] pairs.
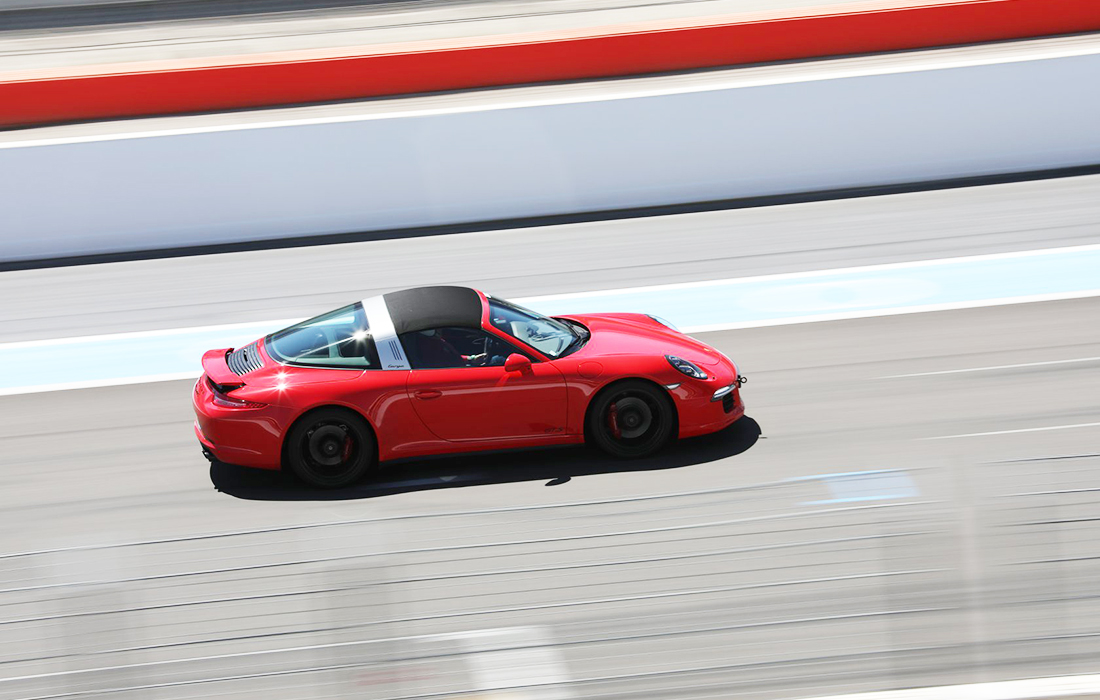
{"points": [[245, 360]]}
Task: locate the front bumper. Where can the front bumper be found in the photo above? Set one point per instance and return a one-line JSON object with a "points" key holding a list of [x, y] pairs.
{"points": [[701, 419], [709, 406]]}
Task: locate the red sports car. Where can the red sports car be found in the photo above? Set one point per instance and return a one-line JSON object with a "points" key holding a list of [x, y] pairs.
{"points": [[449, 369]]}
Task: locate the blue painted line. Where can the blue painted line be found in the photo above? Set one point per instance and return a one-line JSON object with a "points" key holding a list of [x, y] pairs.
{"points": [[863, 486], [755, 301], [742, 302], [106, 358], [837, 475]]}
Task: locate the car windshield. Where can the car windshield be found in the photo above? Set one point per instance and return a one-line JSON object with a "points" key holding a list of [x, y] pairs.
{"points": [[340, 338], [547, 335]]}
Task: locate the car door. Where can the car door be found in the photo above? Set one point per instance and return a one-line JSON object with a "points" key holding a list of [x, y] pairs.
{"points": [[460, 390]]}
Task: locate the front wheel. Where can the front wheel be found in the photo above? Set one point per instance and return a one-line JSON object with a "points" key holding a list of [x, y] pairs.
{"points": [[330, 448], [632, 419]]}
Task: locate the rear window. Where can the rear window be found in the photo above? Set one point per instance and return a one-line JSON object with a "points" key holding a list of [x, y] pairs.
{"points": [[338, 339]]}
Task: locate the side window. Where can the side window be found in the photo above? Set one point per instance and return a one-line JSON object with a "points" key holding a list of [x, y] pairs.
{"points": [[445, 348], [549, 336], [339, 339]]}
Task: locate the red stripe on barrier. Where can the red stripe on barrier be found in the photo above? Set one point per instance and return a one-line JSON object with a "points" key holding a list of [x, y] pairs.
{"points": [[282, 82]]}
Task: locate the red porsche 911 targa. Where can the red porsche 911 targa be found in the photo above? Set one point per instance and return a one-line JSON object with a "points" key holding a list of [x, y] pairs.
{"points": [[439, 370]]}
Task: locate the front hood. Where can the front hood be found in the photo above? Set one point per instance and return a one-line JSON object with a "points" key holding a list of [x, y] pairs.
{"points": [[638, 334]]}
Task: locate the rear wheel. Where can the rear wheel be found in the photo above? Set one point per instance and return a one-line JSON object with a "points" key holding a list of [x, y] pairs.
{"points": [[330, 448], [631, 419]]}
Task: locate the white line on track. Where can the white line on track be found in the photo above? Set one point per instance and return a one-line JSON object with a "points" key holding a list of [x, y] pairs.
{"points": [[1009, 432], [994, 367], [1031, 688]]}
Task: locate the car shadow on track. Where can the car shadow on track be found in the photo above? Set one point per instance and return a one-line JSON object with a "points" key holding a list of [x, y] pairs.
{"points": [[555, 466]]}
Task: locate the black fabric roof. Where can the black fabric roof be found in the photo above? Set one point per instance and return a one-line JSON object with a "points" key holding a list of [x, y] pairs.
{"points": [[434, 307]]}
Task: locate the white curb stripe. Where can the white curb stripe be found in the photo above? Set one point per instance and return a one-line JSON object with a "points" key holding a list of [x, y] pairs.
{"points": [[1036, 688]]}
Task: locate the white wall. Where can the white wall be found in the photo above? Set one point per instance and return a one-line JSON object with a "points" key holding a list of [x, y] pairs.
{"points": [[234, 185]]}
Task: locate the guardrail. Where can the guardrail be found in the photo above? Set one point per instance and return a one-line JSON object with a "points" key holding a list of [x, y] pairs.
{"points": [[762, 590], [168, 87], [476, 158]]}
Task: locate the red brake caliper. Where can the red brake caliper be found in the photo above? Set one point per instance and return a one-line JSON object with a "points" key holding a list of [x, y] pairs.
{"points": [[347, 447], [613, 421]]}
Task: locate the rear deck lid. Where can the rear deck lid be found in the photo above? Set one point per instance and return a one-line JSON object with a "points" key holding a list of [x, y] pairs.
{"points": [[217, 369]]}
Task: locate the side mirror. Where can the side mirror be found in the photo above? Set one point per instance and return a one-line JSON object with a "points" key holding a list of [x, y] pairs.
{"points": [[517, 363]]}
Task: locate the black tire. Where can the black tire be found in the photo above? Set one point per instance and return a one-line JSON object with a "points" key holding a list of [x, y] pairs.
{"points": [[631, 419], [330, 448]]}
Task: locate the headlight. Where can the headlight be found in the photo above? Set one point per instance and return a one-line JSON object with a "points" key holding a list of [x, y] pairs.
{"points": [[663, 322], [685, 367]]}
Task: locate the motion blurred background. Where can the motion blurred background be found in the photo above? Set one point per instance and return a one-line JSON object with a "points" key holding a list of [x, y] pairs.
{"points": [[888, 213]]}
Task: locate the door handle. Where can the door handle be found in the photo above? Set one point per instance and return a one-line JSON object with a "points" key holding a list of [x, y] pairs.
{"points": [[428, 394]]}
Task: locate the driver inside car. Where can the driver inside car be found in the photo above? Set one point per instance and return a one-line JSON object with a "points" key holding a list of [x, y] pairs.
{"points": [[436, 351]]}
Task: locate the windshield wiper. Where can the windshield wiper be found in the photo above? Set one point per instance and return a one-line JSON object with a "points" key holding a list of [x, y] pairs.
{"points": [[580, 335]]}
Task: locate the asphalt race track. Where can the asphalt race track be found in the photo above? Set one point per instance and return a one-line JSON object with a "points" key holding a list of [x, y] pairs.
{"points": [[860, 530]]}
